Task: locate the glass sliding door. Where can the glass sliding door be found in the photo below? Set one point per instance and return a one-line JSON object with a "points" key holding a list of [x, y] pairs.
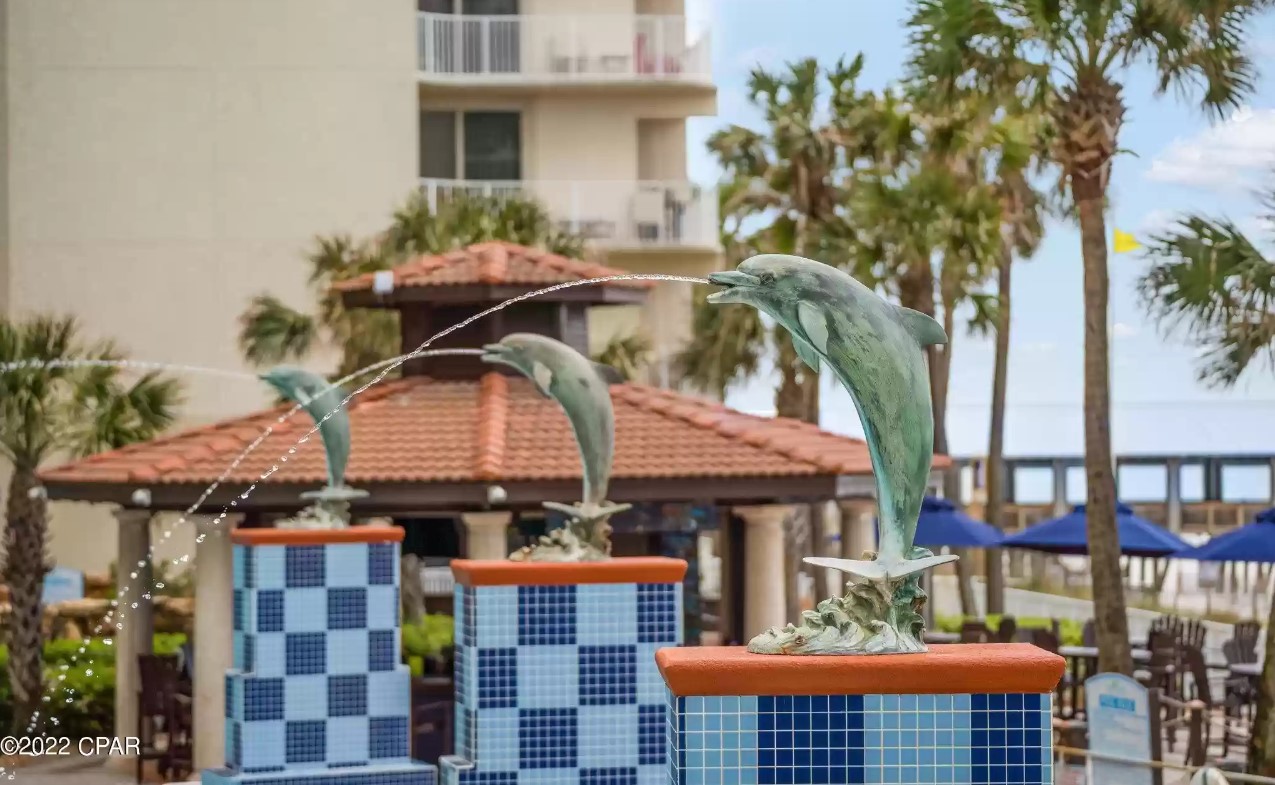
{"points": [[491, 45], [492, 146]]}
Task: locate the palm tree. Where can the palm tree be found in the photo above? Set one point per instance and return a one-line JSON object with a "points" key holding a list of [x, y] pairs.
{"points": [[1074, 54], [272, 331], [50, 410], [627, 354], [788, 178], [1213, 283]]}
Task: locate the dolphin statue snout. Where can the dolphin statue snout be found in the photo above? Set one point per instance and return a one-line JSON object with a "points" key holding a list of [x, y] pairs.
{"points": [[494, 352], [733, 282]]}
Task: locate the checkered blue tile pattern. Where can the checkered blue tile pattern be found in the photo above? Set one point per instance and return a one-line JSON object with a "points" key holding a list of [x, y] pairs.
{"points": [[318, 693], [557, 685], [887, 739]]}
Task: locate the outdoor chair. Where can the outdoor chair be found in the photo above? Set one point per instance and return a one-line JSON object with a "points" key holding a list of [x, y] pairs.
{"points": [[1043, 639], [164, 721], [432, 730], [1007, 631], [1089, 634], [1223, 724], [1237, 652], [975, 632]]}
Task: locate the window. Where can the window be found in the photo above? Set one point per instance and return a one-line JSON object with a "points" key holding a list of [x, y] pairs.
{"points": [[438, 145], [490, 145], [493, 146]]}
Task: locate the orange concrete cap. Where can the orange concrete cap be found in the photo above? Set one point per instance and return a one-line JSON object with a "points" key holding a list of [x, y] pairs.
{"points": [[317, 536], [952, 669], [646, 569]]}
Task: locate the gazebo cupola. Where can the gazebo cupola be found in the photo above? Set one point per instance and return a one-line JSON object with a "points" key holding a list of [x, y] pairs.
{"points": [[432, 293]]}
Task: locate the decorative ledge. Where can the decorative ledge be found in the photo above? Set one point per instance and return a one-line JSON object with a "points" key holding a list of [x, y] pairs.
{"points": [[317, 536], [954, 669], [653, 569]]}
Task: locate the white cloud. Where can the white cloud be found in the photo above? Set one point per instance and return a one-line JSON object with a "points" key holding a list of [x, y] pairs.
{"points": [[1155, 222], [1227, 157], [1123, 330], [764, 56]]}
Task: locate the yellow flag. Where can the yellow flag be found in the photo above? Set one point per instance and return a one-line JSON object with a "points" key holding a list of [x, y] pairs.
{"points": [[1125, 242]]}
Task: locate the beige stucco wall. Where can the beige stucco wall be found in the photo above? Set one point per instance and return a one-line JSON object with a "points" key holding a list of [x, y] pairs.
{"points": [[166, 160]]}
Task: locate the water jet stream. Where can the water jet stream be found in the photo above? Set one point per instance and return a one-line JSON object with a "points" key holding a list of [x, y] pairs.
{"points": [[114, 618]]}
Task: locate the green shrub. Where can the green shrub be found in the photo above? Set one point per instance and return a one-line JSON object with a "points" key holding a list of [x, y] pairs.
{"points": [[428, 636], [89, 710], [1070, 630]]}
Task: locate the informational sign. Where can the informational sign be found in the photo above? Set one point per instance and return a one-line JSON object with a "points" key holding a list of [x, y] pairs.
{"points": [[1119, 716], [63, 584]]}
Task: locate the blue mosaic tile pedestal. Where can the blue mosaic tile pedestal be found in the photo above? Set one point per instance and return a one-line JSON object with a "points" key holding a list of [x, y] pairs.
{"points": [[318, 694], [556, 682], [958, 715]]}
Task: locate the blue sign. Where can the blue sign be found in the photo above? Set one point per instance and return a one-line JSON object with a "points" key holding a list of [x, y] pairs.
{"points": [[1119, 717], [63, 584]]}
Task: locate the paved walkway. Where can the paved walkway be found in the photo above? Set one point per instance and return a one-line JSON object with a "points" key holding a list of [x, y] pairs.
{"points": [[71, 771]]}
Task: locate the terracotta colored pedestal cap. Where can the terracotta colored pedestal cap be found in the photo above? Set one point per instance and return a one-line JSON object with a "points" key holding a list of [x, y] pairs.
{"points": [[646, 569], [317, 536], [953, 669]]}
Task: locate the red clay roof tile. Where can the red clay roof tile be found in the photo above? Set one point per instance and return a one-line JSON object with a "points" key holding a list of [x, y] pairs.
{"points": [[493, 263], [496, 429]]}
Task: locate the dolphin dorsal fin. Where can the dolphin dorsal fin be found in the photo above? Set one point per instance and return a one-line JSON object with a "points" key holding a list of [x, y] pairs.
{"points": [[542, 376], [924, 329]]}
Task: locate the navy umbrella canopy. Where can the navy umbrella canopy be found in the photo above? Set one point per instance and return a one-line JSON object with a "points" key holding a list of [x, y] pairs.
{"points": [[943, 523], [1254, 542], [1067, 535]]}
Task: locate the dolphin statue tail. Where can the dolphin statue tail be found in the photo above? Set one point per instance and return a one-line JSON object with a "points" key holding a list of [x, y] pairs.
{"points": [[879, 570], [587, 513]]}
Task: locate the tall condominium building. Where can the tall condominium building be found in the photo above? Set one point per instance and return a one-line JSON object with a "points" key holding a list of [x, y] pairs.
{"points": [[162, 161]]}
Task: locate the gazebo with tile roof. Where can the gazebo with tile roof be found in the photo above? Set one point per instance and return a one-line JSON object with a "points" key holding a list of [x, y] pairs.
{"points": [[455, 437]]}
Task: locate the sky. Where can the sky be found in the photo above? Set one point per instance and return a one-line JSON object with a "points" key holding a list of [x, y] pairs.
{"points": [[1178, 159]]}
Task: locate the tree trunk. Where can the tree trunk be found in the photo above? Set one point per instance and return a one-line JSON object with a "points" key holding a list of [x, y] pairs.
{"points": [[26, 564], [942, 373], [996, 431], [1110, 620], [1261, 750]]}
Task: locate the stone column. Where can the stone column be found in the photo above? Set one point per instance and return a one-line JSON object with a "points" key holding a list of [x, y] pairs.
{"points": [[858, 528], [763, 567], [134, 627], [487, 534], [213, 644]]}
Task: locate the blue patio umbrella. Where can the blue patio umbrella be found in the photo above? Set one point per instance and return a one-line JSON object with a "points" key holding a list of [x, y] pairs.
{"points": [[943, 523], [1254, 542], [1067, 535]]}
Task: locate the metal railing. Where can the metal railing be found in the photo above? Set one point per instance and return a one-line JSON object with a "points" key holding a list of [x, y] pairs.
{"points": [[616, 214], [551, 48]]}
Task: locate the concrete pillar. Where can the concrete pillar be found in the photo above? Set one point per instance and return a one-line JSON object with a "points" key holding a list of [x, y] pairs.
{"points": [[1060, 488], [763, 567], [858, 528], [134, 627], [213, 644], [487, 534], [1173, 494]]}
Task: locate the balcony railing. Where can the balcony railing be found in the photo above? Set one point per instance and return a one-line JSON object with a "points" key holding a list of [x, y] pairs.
{"points": [[561, 48], [610, 213]]}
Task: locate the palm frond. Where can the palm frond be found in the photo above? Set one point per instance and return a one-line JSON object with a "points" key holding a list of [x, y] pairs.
{"points": [[1210, 283], [271, 332]]}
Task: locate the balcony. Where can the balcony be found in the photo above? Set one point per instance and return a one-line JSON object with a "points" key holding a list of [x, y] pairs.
{"points": [[618, 216], [583, 49]]}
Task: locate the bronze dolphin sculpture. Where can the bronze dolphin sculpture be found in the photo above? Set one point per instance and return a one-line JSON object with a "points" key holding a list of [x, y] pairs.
{"points": [[319, 398], [580, 387], [875, 349]]}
